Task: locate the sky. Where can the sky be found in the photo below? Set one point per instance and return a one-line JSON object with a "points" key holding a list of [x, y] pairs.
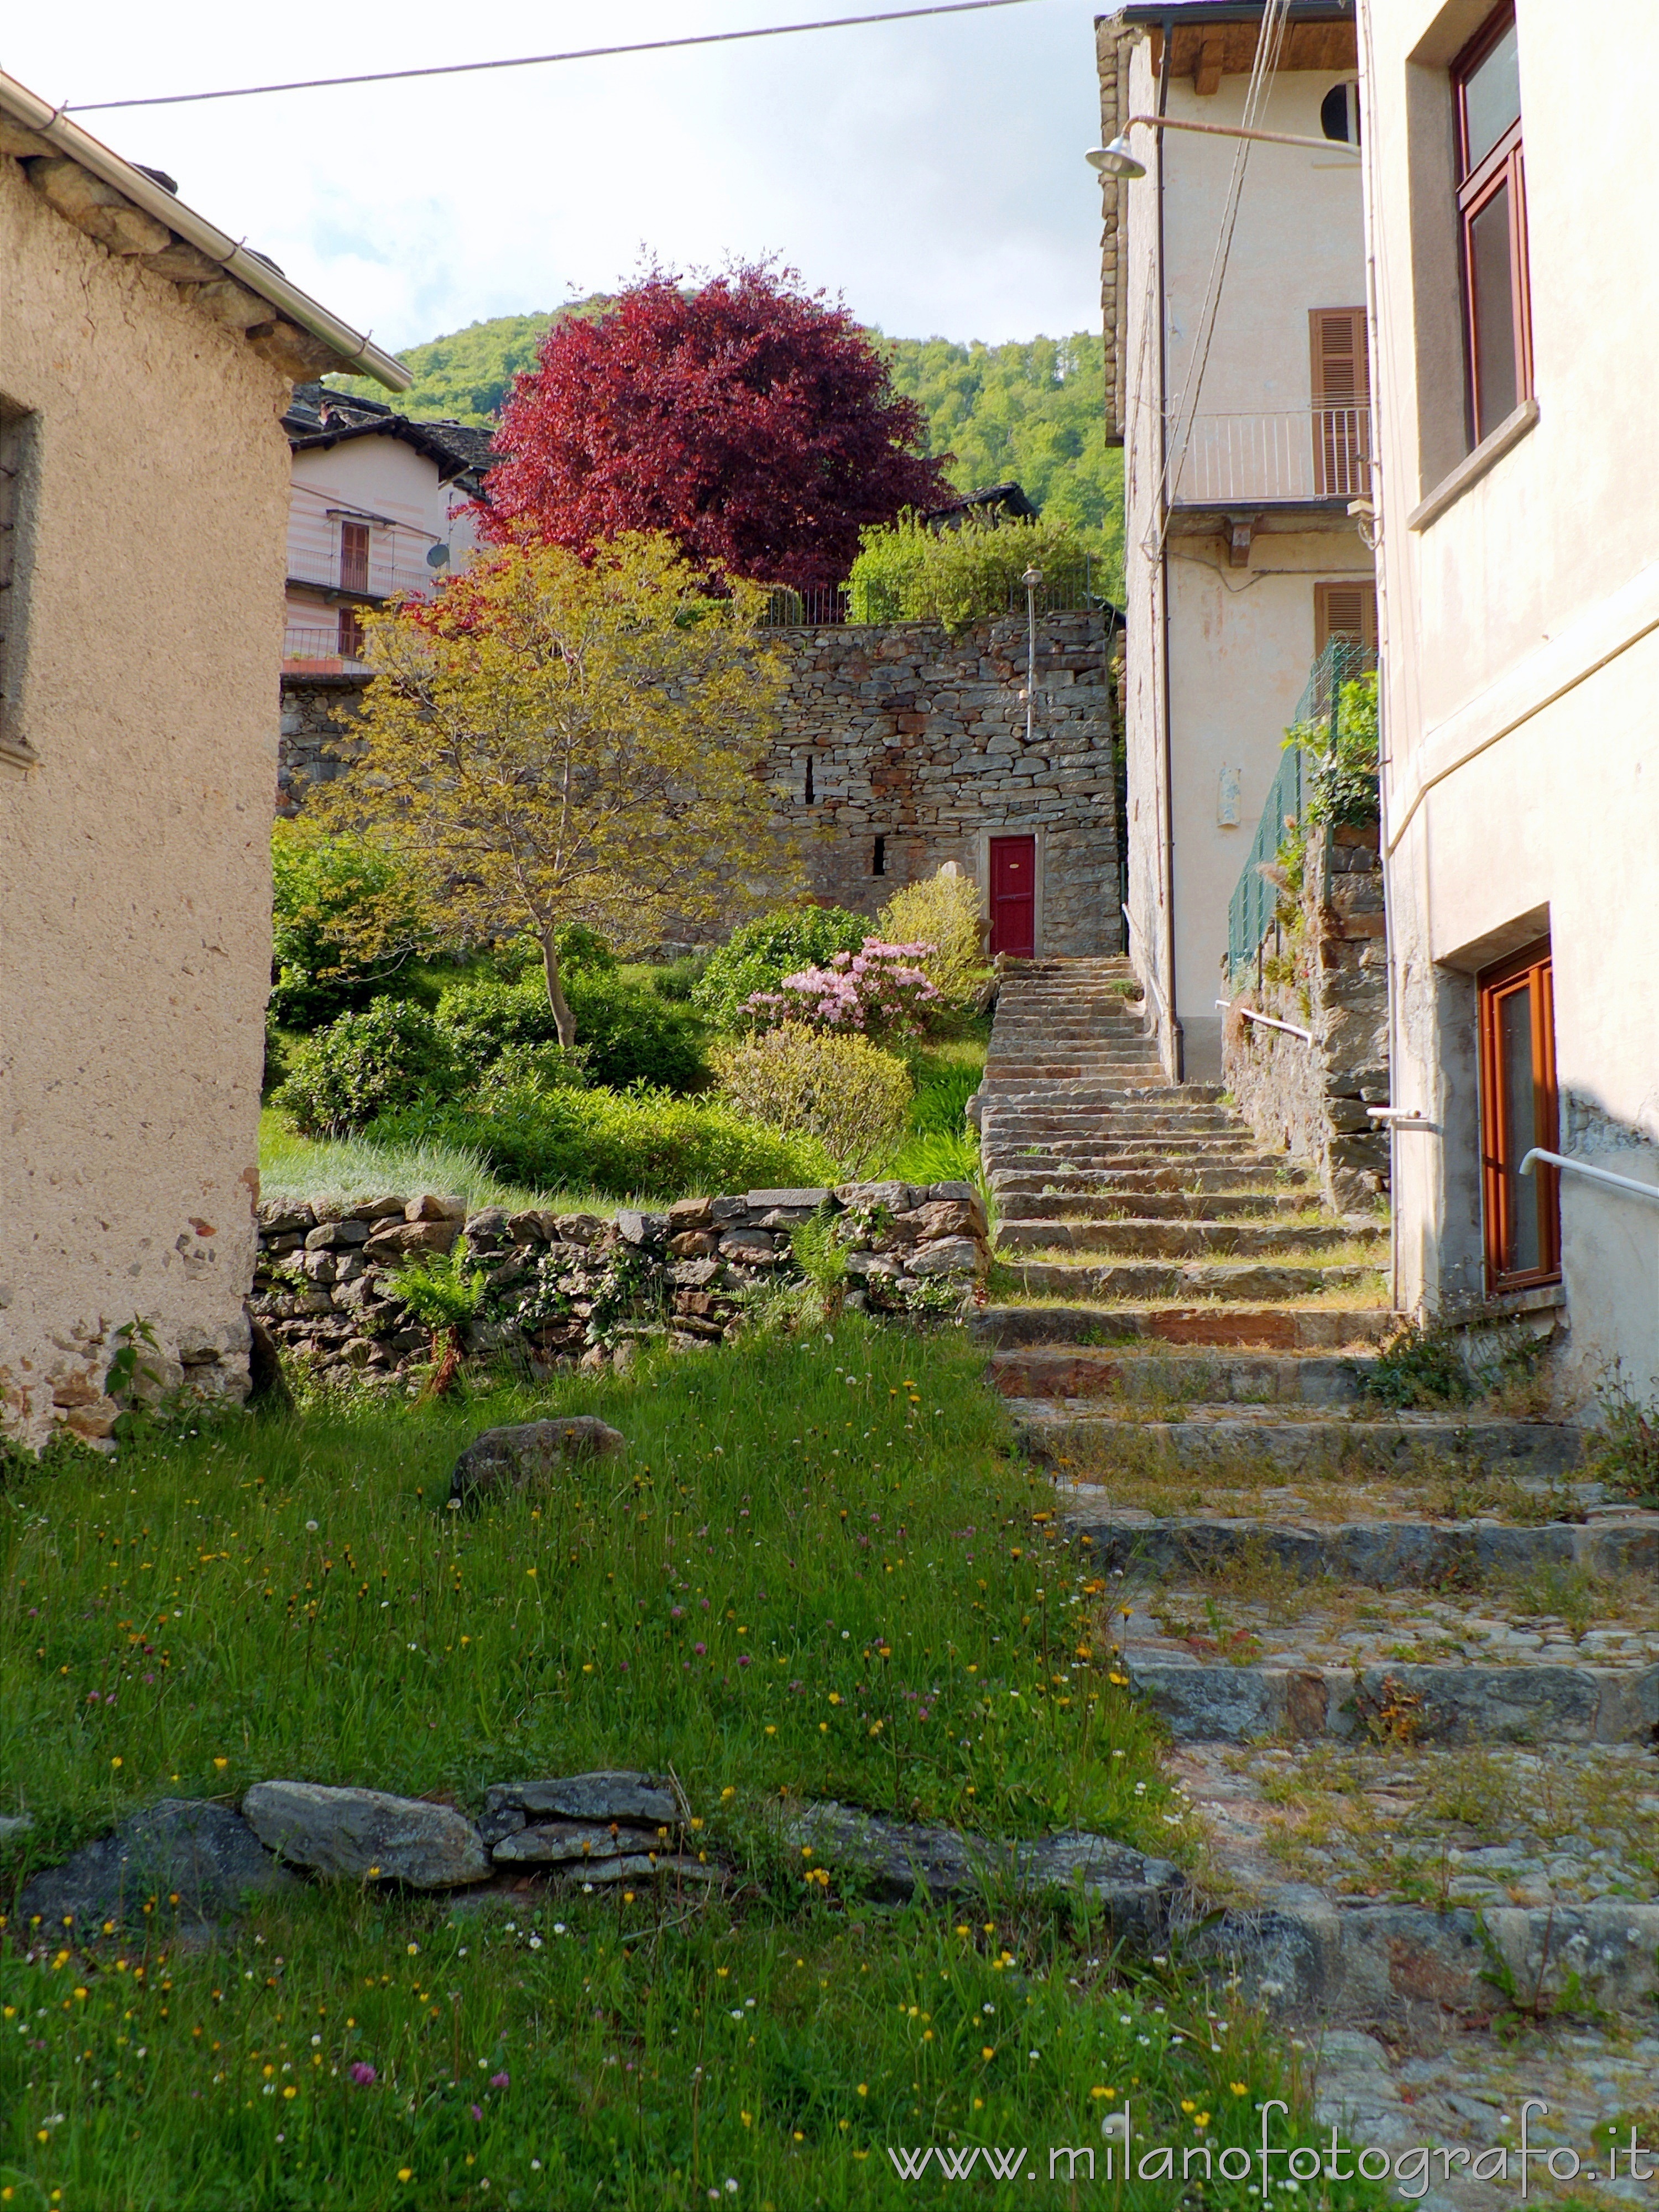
{"points": [[932, 173]]}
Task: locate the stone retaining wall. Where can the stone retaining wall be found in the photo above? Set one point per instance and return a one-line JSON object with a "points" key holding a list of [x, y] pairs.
{"points": [[1310, 1100], [575, 1287]]}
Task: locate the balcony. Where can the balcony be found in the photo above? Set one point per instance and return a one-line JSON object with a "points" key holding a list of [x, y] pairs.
{"points": [[1308, 456], [336, 651]]}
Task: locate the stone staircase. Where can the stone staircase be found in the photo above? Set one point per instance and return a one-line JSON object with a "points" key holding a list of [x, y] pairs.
{"points": [[1409, 1662]]}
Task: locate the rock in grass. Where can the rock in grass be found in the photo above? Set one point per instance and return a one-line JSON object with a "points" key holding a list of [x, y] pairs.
{"points": [[204, 1855], [528, 1455], [611, 1794], [356, 1835]]}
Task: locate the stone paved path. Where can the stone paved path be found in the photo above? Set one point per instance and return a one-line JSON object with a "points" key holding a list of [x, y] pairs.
{"points": [[1409, 1664]]}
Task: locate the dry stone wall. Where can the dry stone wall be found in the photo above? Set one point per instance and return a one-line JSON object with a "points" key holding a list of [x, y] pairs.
{"points": [[1332, 971], [575, 1288]]}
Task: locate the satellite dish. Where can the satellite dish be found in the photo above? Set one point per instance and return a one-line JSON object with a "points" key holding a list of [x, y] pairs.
{"points": [[437, 556]]}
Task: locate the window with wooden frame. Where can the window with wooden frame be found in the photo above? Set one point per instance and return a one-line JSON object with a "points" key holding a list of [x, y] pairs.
{"points": [[1347, 610], [350, 638], [1491, 213], [1519, 1109], [1342, 386], [354, 557]]}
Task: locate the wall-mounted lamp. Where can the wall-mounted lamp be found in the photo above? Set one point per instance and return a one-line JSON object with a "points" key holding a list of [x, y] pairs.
{"points": [[1118, 161]]}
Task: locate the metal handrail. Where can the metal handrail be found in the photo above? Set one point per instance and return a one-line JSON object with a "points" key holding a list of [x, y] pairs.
{"points": [[1595, 1175], [1148, 979], [1249, 1014]]}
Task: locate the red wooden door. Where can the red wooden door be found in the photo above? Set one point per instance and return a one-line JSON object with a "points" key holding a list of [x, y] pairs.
{"points": [[1013, 896]]}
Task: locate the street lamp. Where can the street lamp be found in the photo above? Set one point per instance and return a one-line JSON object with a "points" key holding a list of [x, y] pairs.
{"points": [[1031, 578], [1118, 161]]}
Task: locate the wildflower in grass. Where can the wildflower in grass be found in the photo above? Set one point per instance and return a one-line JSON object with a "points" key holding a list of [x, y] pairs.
{"points": [[501, 2081], [362, 2073]]}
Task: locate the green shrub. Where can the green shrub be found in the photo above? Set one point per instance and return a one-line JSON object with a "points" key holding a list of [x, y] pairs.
{"points": [[344, 925], [942, 911], [842, 1090], [363, 1064], [648, 1145], [1424, 1366], [625, 1031], [679, 979], [906, 572], [1342, 773], [764, 951]]}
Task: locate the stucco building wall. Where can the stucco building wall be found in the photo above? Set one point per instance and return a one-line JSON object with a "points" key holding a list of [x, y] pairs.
{"points": [[1521, 618], [1220, 629], [149, 535]]}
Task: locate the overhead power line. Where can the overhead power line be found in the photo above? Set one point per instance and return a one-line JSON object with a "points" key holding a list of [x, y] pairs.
{"points": [[536, 61]]}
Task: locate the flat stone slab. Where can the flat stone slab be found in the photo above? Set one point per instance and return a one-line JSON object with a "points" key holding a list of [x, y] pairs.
{"points": [[1212, 1434], [203, 1853], [888, 1860], [608, 1793], [1378, 1554], [1301, 1955], [359, 1835], [551, 1843], [527, 1455], [1276, 1327], [1408, 1702]]}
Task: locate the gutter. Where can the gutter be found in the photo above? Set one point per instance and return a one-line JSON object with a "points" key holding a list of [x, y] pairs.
{"points": [[355, 348]]}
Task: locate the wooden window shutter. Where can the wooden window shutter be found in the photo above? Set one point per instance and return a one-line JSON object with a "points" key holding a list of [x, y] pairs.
{"points": [[1345, 610], [1341, 366]]}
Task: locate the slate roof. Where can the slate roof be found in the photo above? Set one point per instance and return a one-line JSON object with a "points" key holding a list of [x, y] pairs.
{"points": [[319, 417]]}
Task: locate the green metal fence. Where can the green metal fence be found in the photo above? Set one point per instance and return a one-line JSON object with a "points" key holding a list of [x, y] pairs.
{"points": [[1256, 898]]}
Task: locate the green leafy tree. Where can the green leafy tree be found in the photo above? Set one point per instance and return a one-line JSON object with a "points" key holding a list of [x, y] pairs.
{"points": [[345, 921], [565, 738]]}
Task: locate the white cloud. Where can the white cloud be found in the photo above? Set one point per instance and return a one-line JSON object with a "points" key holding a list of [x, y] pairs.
{"points": [[932, 171]]}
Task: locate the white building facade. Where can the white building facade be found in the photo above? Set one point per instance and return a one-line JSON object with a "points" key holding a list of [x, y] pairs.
{"points": [[1239, 382], [1513, 280]]}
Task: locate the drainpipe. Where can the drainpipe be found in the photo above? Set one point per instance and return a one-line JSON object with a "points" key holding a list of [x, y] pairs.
{"points": [[1172, 1009], [1385, 717]]}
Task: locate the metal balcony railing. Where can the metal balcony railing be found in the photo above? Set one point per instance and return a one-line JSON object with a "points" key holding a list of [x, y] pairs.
{"points": [[1307, 454], [321, 651]]}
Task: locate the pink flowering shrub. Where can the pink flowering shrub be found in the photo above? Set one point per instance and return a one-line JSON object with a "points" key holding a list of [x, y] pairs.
{"points": [[878, 991]]}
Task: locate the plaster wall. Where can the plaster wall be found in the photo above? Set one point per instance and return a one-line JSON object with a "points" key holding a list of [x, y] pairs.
{"points": [[1521, 650], [1228, 648], [136, 854]]}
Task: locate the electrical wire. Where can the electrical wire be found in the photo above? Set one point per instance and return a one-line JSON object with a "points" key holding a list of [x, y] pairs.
{"points": [[536, 61], [1275, 17]]}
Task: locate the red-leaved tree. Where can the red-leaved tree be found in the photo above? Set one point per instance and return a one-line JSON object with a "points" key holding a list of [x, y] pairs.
{"points": [[753, 422]]}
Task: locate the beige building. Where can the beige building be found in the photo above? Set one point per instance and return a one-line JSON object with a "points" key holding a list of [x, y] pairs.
{"points": [[1237, 382], [1517, 284], [146, 359]]}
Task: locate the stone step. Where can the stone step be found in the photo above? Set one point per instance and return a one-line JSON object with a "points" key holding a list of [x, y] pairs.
{"points": [[1212, 1436], [1375, 1554], [1266, 1378], [1149, 1206], [1279, 1328], [1238, 1282], [1151, 1190], [1200, 1702], [1181, 1240]]}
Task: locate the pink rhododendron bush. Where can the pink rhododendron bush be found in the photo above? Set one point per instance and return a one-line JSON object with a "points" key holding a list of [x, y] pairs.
{"points": [[881, 990]]}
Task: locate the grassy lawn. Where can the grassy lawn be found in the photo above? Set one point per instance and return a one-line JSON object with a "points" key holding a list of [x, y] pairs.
{"points": [[818, 1574]]}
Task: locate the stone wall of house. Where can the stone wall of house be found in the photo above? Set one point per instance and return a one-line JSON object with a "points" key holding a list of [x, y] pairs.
{"points": [[902, 734], [1327, 973], [575, 1287], [317, 714]]}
